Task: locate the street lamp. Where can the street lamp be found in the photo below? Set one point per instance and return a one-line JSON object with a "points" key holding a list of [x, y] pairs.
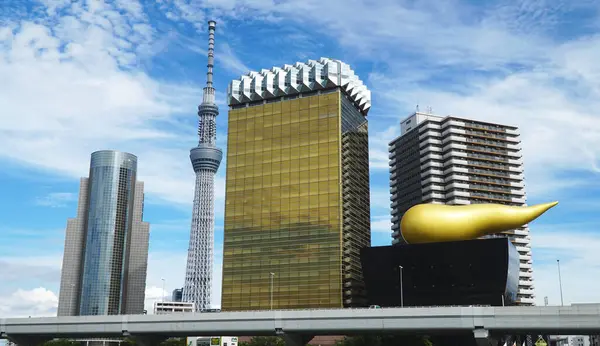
{"points": [[559, 282], [272, 275], [400, 270], [162, 293]]}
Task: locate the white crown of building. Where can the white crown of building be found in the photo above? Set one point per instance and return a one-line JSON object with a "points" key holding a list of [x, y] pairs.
{"points": [[301, 77]]}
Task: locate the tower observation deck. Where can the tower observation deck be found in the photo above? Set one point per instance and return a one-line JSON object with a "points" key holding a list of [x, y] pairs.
{"points": [[206, 159]]}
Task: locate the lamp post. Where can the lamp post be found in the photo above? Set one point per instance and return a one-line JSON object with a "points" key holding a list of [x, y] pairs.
{"points": [[400, 270], [162, 293], [272, 275], [560, 282]]}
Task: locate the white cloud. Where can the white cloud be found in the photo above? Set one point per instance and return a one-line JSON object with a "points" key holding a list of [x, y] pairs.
{"points": [[498, 62], [41, 269], [56, 199], [577, 251], [380, 197], [382, 224], [378, 146], [37, 302], [29, 299], [82, 68]]}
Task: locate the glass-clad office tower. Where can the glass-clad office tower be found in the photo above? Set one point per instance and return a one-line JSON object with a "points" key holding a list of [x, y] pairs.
{"points": [[297, 195], [106, 245]]}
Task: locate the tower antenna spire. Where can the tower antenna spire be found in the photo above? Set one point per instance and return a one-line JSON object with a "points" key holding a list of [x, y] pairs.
{"points": [[211, 53], [206, 158]]}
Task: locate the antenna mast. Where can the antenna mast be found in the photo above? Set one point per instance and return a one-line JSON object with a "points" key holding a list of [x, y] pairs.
{"points": [[206, 159]]}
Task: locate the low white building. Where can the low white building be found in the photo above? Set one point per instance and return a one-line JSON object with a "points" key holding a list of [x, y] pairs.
{"points": [[573, 340], [164, 308]]}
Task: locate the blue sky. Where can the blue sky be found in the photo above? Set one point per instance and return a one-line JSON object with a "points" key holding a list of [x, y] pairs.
{"points": [[82, 76]]}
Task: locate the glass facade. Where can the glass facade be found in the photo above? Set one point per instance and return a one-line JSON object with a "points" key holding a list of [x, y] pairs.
{"points": [[297, 204], [109, 216]]}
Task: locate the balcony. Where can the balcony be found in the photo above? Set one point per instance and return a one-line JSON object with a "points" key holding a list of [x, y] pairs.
{"points": [[454, 138], [458, 201], [526, 283], [434, 188], [453, 130], [456, 177], [430, 141], [432, 149], [431, 164], [435, 195], [455, 169], [525, 301], [454, 146], [525, 292], [457, 185], [433, 179], [524, 257], [432, 156], [520, 232], [458, 194]]}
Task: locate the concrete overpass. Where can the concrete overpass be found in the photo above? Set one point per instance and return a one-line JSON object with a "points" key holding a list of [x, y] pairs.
{"points": [[297, 326]]}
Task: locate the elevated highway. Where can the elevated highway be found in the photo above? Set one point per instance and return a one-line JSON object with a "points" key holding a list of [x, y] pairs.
{"points": [[297, 325]]}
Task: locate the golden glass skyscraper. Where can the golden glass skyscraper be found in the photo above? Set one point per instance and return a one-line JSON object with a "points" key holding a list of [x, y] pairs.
{"points": [[297, 196]]}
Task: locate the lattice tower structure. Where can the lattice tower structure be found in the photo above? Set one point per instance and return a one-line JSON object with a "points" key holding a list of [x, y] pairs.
{"points": [[206, 158]]}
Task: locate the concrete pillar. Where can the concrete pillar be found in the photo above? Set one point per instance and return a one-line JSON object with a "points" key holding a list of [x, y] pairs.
{"points": [[483, 338]]}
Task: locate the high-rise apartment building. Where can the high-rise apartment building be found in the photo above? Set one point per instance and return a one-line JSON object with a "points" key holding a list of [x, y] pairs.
{"points": [[297, 195], [450, 160], [106, 245], [206, 158]]}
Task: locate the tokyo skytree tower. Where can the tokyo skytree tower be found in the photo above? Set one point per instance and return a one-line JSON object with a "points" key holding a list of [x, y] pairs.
{"points": [[206, 158]]}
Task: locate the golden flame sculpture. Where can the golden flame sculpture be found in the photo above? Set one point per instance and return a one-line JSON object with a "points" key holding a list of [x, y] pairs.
{"points": [[429, 223]]}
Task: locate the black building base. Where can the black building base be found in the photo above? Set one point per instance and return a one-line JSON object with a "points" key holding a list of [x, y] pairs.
{"points": [[472, 272]]}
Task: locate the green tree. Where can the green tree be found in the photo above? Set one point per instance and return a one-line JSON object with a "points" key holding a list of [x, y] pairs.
{"points": [[128, 342], [174, 342], [385, 340], [264, 341], [61, 342]]}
